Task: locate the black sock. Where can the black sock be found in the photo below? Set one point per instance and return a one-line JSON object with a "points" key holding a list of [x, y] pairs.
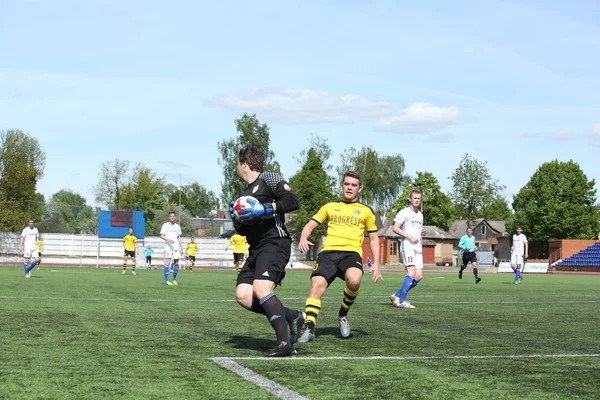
{"points": [[475, 272], [343, 312], [275, 312], [257, 307]]}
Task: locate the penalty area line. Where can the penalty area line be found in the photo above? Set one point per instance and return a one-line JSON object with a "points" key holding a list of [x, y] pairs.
{"points": [[274, 388]]}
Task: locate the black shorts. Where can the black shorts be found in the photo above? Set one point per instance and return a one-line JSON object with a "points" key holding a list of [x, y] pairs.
{"points": [[39, 255], [192, 258], [469, 257], [148, 259], [333, 264], [266, 261], [130, 253], [238, 257]]}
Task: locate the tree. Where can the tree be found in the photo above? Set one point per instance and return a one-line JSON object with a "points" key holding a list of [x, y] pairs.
{"points": [[251, 132], [67, 212], [473, 188], [184, 219], [114, 177], [314, 189], [436, 205], [144, 191], [557, 203], [497, 210], [199, 201], [321, 147], [382, 176], [22, 163]]}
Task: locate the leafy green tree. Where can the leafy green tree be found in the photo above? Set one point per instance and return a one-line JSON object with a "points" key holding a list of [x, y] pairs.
{"points": [[320, 145], [22, 163], [199, 201], [67, 212], [314, 189], [144, 191], [251, 132], [114, 177], [557, 203], [382, 176], [497, 210], [473, 188], [436, 205]]}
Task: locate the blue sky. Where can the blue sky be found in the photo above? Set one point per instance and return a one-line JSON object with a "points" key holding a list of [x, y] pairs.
{"points": [[513, 83]]}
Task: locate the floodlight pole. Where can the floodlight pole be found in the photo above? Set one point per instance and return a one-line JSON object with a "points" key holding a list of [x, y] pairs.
{"points": [[179, 209]]}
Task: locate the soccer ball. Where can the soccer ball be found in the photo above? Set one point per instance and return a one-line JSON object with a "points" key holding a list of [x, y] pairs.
{"points": [[240, 204]]}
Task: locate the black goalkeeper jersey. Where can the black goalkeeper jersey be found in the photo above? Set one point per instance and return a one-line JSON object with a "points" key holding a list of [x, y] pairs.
{"points": [[269, 187]]}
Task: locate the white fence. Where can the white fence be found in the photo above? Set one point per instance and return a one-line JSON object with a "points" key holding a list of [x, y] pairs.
{"points": [[89, 250]]}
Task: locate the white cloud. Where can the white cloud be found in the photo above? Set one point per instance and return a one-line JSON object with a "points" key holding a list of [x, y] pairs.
{"points": [[594, 135], [312, 107], [420, 118], [563, 135]]}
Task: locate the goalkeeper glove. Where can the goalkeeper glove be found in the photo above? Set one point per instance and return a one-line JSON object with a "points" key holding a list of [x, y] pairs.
{"points": [[255, 212]]}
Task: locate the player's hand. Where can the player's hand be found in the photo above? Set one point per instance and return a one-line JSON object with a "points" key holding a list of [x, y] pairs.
{"points": [[304, 245], [20, 249], [414, 240], [376, 274], [255, 212]]}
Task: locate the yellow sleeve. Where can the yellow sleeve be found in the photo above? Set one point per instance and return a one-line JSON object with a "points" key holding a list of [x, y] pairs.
{"points": [[370, 224], [322, 214]]}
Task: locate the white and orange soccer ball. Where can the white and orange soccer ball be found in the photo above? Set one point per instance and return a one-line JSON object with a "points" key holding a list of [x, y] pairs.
{"points": [[242, 203]]}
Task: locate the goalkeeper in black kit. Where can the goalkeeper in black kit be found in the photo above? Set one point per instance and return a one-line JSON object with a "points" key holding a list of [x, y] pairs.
{"points": [[263, 224]]}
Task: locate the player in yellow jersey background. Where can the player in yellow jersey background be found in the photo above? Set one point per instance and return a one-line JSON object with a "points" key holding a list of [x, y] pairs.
{"points": [[240, 250], [129, 244], [191, 252], [39, 244]]}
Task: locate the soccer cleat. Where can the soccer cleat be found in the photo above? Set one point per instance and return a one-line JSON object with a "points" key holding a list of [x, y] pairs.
{"points": [[295, 326], [124, 272], [308, 335], [27, 276], [344, 326], [174, 283], [477, 280], [406, 304], [518, 281], [283, 349], [460, 274], [133, 272], [38, 268], [167, 283], [395, 301]]}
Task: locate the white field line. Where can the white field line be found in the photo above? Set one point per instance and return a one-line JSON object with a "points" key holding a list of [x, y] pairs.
{"points": [[272, 387], [404, 358], [287, 394], [571, 301]]}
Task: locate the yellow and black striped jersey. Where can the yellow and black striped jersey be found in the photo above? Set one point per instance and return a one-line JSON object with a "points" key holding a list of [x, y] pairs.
{"points": [[346, 224]]}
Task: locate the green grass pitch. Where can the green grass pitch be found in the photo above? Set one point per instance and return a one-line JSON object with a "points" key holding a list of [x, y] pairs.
{"points": [[86, 333]]}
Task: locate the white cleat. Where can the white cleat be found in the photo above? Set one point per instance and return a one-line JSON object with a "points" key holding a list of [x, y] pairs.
{"points": [[133, 272], [124, 272], [406, 304], [27, 276], [395, 301], [344, 326]]}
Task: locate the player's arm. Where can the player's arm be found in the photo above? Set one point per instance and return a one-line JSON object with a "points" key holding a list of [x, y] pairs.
{"points": [[21, 242], [405, 235], [526, 249], [304, 244], [374, 245], [285, 199], [180, 242], [229, 243], [461, 244]]}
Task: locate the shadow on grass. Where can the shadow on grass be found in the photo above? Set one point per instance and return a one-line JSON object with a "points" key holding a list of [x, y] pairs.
{"points": [[251, 343]]}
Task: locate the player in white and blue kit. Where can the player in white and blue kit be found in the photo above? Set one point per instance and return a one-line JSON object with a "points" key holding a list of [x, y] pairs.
{"points": [[171, 234], [27, 245], [409, 225], [519, 253]]}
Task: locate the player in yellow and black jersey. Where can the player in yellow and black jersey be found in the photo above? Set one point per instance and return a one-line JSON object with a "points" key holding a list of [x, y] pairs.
{"points": [[129, 244], [39, 244], [341, 256], [191, 252]]}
